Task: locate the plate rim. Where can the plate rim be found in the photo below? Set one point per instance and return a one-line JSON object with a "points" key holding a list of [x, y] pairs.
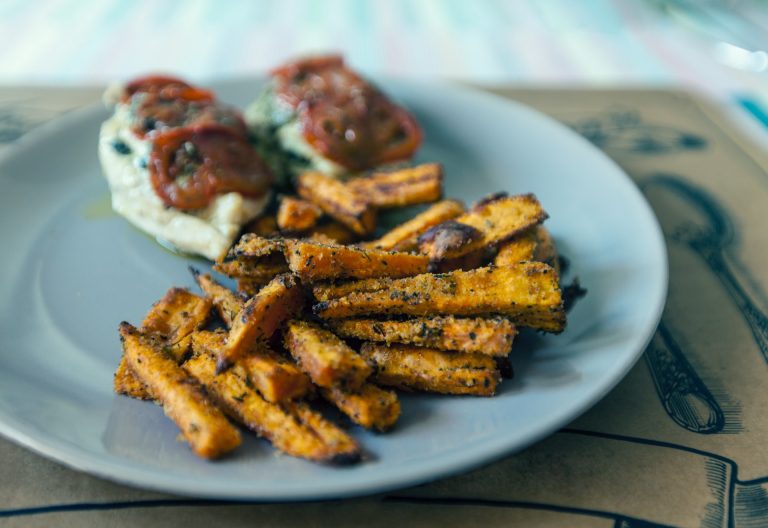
{"points": [[481, 453]]}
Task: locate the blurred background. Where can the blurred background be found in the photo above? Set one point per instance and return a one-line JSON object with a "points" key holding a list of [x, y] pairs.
{"points": [[718, 48]]}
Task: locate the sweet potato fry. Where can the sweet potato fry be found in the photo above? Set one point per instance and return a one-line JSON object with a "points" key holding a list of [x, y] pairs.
{"points": [[337, 201], [528, 293], [275, 377], [546, 251], [226, 302], [325, 357], [405, 236], [172, 319], [313, 261], [126, 383], [369, 406], [413, 185], [489, 223], [293, 428], [261, 316], [263, 268], [250, 287], [519, 249], [425, 369], [254, 246], [490, 336], [297, 215], [204, 427]]}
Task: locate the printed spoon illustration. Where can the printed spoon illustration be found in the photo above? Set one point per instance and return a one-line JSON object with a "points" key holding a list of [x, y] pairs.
{"points": [[684, 395], [711, 240]]}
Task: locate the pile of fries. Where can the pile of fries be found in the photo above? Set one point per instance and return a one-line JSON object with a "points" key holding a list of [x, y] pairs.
{"points": [[432, 305]]}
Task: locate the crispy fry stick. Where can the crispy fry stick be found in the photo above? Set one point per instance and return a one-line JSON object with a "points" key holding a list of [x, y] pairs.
{"points": [[254, 246], [546, 251], [325, 357], [172, 318], [204, 427], [257, 269], [369, 406], [488, 223], [297, 215], [227, 303], [425, 369], [337, 201], [528, 293], [414, 185], [250, 287], [519, 249], [261, 316], [313, 261], [405, 236], [276, 378], [293, 428], [490, 336]]}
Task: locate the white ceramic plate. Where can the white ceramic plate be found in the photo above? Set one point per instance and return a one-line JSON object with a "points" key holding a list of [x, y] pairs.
{"points": [[70, 272]]}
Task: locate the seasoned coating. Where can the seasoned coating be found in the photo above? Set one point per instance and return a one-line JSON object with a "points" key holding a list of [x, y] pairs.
{"points": [[546, 251], [369, 406], [337, 201], [202, 424], [297, 215], [528, 293], [405, 236], [261, 317], [490, 223], [257, 269], [226, 302], [293, 428], [275, 377], [172, 319], [519, 249], [313, 261], [254, 246], [125, 383], [490, 336], [250, 287], [325, 357], [425, 369], [413, 185]]}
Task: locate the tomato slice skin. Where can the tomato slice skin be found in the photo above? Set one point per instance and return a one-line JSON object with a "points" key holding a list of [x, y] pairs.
{"points": [[190, 166], [167, 87], [343, 116]]}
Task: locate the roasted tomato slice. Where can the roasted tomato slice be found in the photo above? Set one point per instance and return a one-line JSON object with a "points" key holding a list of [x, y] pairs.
{"points": [[189, 166], [168, 88], [343, 116]]}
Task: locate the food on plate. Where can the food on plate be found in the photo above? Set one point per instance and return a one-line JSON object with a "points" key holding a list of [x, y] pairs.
{"points": [[261, 317], [492, 336], [323, 309], [338, 201], [405, 236], [318, 114], [528, 293], [490, 222], [293, 428], [204, 427], [180, 166], [324, 357], [275, 377], [297, 215], [426, 369], [171, 320], [314, 261], [398, 188], [369, 406]]}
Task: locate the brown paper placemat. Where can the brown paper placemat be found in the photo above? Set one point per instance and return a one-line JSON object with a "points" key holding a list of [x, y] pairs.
{"points": [[681, 441]]}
